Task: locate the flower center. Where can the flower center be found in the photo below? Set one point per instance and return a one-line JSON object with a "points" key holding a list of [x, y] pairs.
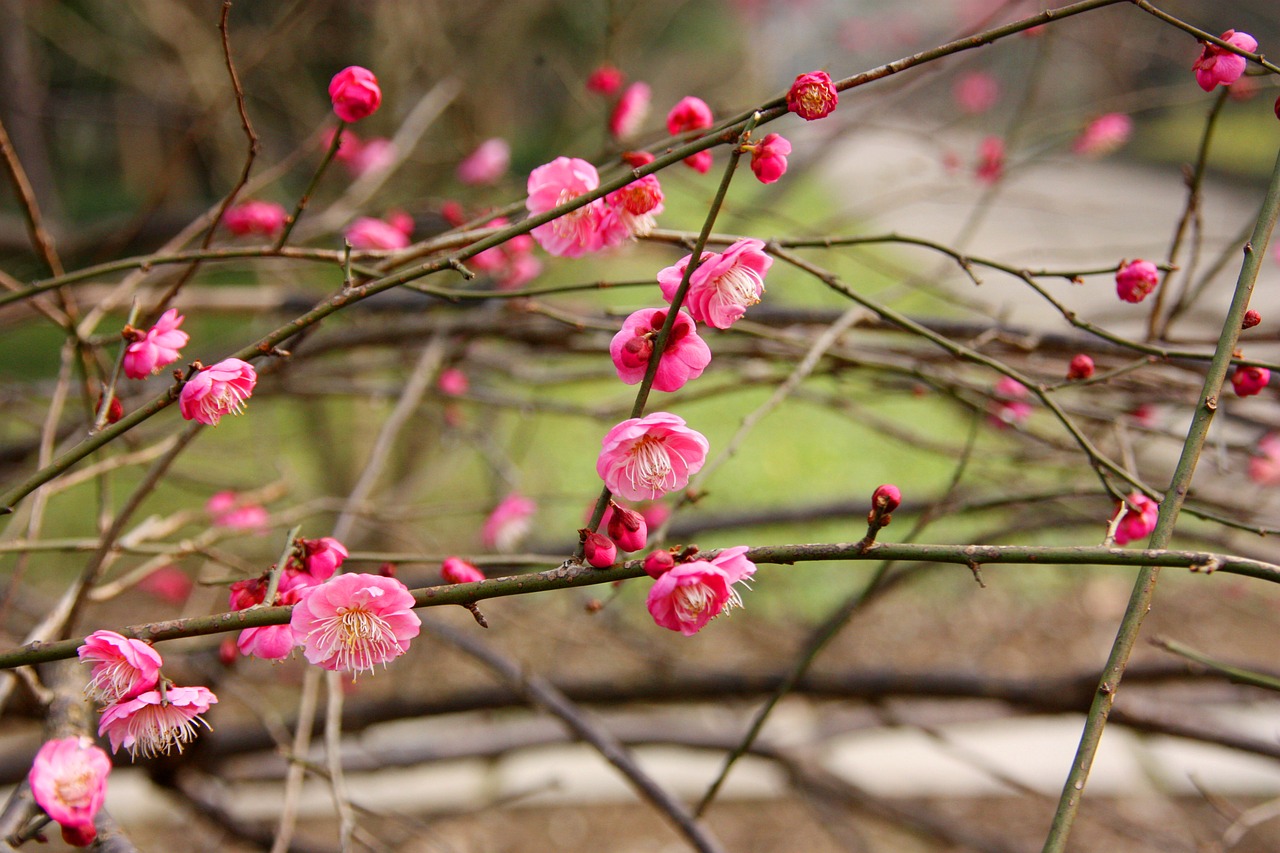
{"points": [[359, 639], [75, 788], [692, 601], [650, 463], [740, 286]]}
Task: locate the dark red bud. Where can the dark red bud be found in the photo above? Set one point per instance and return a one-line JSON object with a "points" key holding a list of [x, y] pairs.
{"points": [[1081, 367], [885, 499], [1251, 319]]}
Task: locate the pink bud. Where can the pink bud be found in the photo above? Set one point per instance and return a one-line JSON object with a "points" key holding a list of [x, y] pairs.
{"points": [[605, 80], [387, 570], [636, 159], [1081, 367], [885, 499], [1251, 319], [1136, 279], [599, 550], [355, 93], [456, 570], [700, 162], [991, 155], [689, 114], [658, 562], [812, 96], [1248, 380], [228, 652], [116, 410], [452, 382], [769, 158], [627, 528], [976, 92]]}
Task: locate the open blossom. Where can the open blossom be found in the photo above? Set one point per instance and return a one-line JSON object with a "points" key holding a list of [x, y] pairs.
{"points": [[724, 285], [688, 596], [1139, 520], [69, 781], [354, 622], [1104, 134], [1216, 65], [456, 570], [1010, 406], [1249, 380], [586, 229], [630, 111], [152, 723], [227, 510], [1136, 280], [645, 458], [812, 95], [122, 667], [255, 217], [637, 204], [509, 523], [159, 346], [217, 390], [1264, 468], [976, 92], [486, 164], [685, 356], [355, 93], [369, 234], [991, 156], [769, 158]]}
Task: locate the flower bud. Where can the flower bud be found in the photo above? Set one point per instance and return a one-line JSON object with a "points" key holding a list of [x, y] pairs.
{"points": [[658, 563], [387, 570], [1081, 367], [812, 96], [599, 550], [1251, 319], [227, 651], [455, 570], [1248, 380], [355, 93], [885, 499], [115, 411], [627, 528]]}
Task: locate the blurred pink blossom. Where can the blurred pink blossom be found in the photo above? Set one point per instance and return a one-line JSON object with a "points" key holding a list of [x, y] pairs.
{"points": [[1081, 367], [354, 622], [509, 523], [1136, 279], [369, 234], [457, 570], [699, 161], [991, 157], [685, 356], [1010, 406], [452, 382], [1139, 520], [487, 164], [604, 80], [976, 92], [1249, 380], [689, 595], [151, 724], [227, 511], [158, 346], [1217, 65], [373, 156], [1105, 134], [122, 667], [255, 217], [630, 111], [1264, 468], [217, 390], [68, 780], [812, 95], [724, 285], [690, 113], [168, 583], [355, 93], [645, 458]]}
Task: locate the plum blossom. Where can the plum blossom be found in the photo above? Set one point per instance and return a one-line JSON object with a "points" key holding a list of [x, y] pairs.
{"points": [[1139, 520], [991, 157], [456, 570], [168, 583], [812, 96], [599, 550], [1010, 406], [122, 667], [699, 161], [1136, 279], [1249, 380], [217, 390], [976, 92], [255, 217], [68, 780], [227, 510], [157, 721], [355, 93], [453, 382], [157, 347], [685, 357], [588, 228], [1264, 468], [1103, 135], [626, 527], [630, 111], [322, 557], [769, 158], [269, 642], [689, 114], [658, 563], [724, 285], [1217, 65], [645, 458], [486, 164], [509, 523], [637, 204], [367, 233], [1081, 367], [375, 155], [605, 80], [688, 596], [354, 622]]}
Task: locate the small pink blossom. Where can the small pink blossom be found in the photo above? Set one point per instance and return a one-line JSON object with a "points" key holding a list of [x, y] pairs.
{"points": [[217, 390], [630, 111], [509, 523], [152, 723], [1264, 468], [1139, 520], [456, 570], [1011, 406], [586, 229], [812, 96], [255, 217], [227, 510], [269, 642], [1105, 134], [168, 583], [370, 234], [685, 356], [1217, 65], [769, 158], [122, 667], [68, 780], [599, 550], [355, 93], [976, 92], [322, 557], [1136, 279], [487, 164], [453, 382], [605, 80], [1081, 367], [700, 162], [636, 159], [376, 155], [724, 285], [688, 596], [637, 204], [158, 347], [645, 458], [688, 115], [1249, 380], [991, 157], [627, 528], [354, 622]]}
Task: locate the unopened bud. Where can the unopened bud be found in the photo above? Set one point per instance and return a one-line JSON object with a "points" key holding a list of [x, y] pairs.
{"points": [[387, 570], [227, 651], [885, 499], [627, 528], [1251, 319], [1081, 367], [657, 563], [115, 411], [455, 570], [599, 550]]}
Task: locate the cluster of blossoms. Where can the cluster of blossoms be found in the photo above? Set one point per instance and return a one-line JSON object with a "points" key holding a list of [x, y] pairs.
{"points": [[141, 711], [69, 781], [512, 264], [594, 226]]}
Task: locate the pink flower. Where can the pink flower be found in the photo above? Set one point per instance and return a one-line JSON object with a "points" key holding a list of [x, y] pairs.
{"points": [[630, 111], [369, 234], [605, 80], [1217, 65], [1081, 367], [812, 96], [685, 357], [1139, 520], [658, 563], [990, 167], [354, 622], [599, 550], [452, 382], [637, 204], [168, 583], [355, 93], [769, 158], [1010, 406], [159, 346], [151, 723], [227, 511], [68, 780], [255, 217], [509, 523], [700, 162], [724, 285], [627, 528], [688, 596], [688, 115], [270, 642], [1104, 134], [456, 570], [1136, 279], [216, 391], [636, 159], [322, 557], [486, 164], [644, 458], [587, 229], [122, 667], [372, 156], [1249, 380], [1264, 469], [976, 92]]}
